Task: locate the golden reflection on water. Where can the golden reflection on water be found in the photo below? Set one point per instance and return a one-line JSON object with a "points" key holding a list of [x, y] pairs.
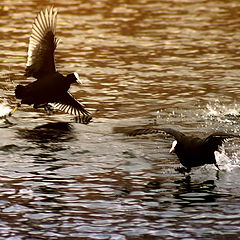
{"points": [[136, 56]]}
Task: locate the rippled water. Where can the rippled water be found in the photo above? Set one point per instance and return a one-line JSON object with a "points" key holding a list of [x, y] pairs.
{"points": [[170, 63]]}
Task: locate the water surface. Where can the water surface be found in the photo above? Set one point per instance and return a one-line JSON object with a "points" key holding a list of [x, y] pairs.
{"points": [[143, 62]]}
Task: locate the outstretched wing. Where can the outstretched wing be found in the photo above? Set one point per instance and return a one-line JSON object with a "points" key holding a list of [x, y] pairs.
{"points": [[141, 131], [69, 105], [216, 139], [42, 44], [176, 134]]}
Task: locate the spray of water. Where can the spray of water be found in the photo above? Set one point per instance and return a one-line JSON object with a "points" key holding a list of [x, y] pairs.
{"points": [[4, 110], [219, 110], [225, 162]]}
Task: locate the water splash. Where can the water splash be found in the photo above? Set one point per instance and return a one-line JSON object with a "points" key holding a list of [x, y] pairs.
{"points": [[225, 162], [223, 113], [4, 110]]}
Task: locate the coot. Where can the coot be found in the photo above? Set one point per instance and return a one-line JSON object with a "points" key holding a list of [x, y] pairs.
{"points": [[50, 86], [191, 151]]}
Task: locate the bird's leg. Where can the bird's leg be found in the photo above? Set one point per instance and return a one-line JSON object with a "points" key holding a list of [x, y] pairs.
{"points": [[38, 105], [216, 166], [48, 108], [14, 109], [180, 169]]}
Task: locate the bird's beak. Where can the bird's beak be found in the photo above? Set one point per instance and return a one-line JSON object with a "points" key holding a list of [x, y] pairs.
{"points": [[174, 144], [172, 150], [79, 81]]}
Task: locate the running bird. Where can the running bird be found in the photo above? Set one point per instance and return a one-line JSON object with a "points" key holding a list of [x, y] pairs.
{"points": [[191, 151], [50, 86]]}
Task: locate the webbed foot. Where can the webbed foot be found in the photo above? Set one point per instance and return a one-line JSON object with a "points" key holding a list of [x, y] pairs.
{"points": [[14, 109]]}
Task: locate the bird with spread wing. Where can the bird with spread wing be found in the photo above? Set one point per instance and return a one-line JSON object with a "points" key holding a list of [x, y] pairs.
{"points": [[50, 86]]}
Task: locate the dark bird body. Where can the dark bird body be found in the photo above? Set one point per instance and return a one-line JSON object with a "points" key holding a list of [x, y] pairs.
{"points": [[50, 86], [191, 151]]}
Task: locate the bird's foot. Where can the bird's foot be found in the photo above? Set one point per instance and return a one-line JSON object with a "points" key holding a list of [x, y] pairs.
{"points": [[183, 170], [14, 109], [49, 109]]}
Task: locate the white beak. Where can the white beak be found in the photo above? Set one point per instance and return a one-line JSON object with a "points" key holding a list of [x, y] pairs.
{"points": [[174, 144], [77, 77]]}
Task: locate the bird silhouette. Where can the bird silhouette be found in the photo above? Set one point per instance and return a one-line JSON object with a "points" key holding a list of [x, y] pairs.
{"points": [[50, 86], [191, 151]]}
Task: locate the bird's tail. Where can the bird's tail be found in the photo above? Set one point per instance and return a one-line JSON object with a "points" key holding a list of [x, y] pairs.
{"points": [[19, 91]]}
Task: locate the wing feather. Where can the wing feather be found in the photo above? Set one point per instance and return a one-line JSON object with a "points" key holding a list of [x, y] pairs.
{"points": [[216, 139], [176, 134], [71, 106], [42, 44]]}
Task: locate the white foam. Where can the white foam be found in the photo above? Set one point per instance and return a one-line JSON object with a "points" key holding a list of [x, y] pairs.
{"points": [[225, 162], [4, 110], [217, 109]]}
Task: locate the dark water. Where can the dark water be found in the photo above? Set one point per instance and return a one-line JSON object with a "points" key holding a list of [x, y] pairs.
{"points": [[172, 63]]}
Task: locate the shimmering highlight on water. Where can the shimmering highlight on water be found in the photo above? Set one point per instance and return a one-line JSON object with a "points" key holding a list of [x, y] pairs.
{"points": [[143, 62]]}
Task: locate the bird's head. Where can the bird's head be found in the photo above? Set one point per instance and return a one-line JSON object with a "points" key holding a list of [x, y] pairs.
{"points": [[74, 78], [173, 148]]}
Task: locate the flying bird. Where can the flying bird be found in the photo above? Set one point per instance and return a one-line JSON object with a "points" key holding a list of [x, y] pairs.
{"points": [[50, 86], [191, 151]]}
